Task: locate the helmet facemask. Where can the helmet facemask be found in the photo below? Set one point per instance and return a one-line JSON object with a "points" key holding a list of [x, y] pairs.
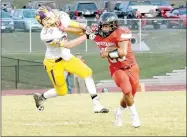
{"points": [[47, 18], [111, 27], [51, 20]]}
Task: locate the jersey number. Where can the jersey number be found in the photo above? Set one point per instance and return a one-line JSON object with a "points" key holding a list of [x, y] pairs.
{"points": [[46, 31]]}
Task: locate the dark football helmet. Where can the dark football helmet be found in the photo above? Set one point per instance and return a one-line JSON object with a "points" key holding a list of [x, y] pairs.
{"points": [[107, 18]]}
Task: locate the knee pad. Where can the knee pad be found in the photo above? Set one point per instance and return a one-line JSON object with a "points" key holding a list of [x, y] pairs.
{"points": [[62, 90]]}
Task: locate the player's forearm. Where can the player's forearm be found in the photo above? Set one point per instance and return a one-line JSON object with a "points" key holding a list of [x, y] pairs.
{"points": [[122, 50], [74, 43], [76, 31], [75, 24]]}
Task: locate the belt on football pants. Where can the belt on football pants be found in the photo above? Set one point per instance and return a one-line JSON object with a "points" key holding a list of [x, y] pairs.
{"points": [[58, 60], [127, 67]]}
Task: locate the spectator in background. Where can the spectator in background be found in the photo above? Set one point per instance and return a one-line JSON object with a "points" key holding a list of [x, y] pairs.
{"points": [[172, 5], [79, 82], [105, 10], [97, 17], [9, 9], [68, 82], [39, 5], [29, 5], [13, 10], [78, 55], [181, 6], [72, 16], [81, 18], [4, 7], [137, 15]]}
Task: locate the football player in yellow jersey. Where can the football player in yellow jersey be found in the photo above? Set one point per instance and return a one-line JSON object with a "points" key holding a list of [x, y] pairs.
{"points": [[58, 57]]}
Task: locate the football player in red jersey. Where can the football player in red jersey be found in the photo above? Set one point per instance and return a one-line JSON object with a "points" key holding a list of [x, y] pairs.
{"points": [[115, 45]]}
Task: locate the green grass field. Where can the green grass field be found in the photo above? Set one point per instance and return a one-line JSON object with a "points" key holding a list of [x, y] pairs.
{"points": [[161, 114]]}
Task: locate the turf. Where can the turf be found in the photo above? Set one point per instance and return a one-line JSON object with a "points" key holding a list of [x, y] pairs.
{"points": [[161, 114]]}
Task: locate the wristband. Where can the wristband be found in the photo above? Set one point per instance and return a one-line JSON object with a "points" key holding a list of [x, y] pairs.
{"points": [[90, 36], [87, 35]]}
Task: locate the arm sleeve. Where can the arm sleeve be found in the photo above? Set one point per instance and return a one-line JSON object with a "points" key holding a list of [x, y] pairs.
{"points": [[65, 19]]}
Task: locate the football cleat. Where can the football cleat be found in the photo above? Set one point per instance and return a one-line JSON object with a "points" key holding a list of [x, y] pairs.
{"points": [[38, 101], [100, 109], [135, 120], [118, 118]]}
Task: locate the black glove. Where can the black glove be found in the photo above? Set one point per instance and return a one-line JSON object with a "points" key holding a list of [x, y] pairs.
{"points": [[90, 36]]}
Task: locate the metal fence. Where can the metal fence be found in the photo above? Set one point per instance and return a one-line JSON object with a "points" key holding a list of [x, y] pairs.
{"points": [[19, 71], [26, 37]]}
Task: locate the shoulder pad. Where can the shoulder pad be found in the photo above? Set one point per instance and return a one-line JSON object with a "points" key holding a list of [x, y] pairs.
{"points": [[123, 34], [64, 18], [124, 30]]}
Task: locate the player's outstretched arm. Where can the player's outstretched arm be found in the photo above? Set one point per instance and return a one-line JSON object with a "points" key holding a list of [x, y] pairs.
{"points": [[67, 44], [74, 42], [77, 41], [75, 28], [71, 43], [75, 31], [69, 25], [75, 24]]}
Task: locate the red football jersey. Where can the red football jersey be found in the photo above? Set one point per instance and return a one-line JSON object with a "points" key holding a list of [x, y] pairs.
{"points": [[120, 34]]}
